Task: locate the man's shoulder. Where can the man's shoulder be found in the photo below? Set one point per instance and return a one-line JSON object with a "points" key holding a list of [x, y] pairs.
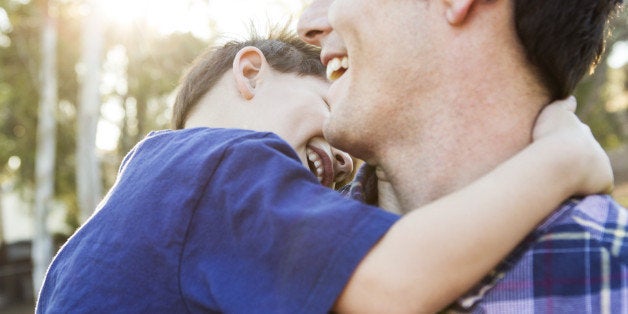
{"points": [[576, 255], [594, 216], [580, 227], [585, 242]]}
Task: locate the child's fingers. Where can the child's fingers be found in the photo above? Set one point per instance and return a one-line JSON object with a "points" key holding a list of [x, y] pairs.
{"points": [[568, 103]]}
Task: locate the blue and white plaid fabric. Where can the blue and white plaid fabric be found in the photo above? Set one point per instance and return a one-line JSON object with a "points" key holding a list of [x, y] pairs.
{"points": [[574, 262]]}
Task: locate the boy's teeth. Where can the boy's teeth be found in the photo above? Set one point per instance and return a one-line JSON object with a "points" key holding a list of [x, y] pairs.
{"points": [[311, 155], [316, 161]]}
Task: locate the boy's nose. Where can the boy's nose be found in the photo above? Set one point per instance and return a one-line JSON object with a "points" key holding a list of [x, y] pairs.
{"points": [[343, 164]]}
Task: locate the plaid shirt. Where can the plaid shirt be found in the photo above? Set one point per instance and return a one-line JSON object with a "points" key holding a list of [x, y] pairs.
{"points": [[574, 262]]}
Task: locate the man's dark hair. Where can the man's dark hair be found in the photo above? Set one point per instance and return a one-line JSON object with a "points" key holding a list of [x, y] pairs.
{"points": [[563, 39], [284, 51]]}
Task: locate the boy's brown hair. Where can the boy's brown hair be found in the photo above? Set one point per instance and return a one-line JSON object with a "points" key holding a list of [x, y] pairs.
{"points": [[283, 50]]}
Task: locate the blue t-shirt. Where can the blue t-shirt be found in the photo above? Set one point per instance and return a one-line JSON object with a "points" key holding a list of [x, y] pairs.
{"points": [[213, 220]]}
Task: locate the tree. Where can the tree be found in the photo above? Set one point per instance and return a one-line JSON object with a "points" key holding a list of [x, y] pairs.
{"points": [[46, 141], [593, 93], [89, 187], [155, 64]]}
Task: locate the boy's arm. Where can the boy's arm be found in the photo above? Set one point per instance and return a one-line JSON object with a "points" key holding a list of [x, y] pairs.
{"points": [[436, 253]]}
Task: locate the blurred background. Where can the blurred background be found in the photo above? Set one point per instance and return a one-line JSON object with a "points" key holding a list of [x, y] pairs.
{"points": [[82, 81]]}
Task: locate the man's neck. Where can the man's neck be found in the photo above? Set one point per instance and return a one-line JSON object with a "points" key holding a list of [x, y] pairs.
{"points": [[479, 111], [444, 157], [387, 198]]}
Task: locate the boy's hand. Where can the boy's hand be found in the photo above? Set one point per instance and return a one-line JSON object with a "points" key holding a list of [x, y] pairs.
{"points": [[572, 142]]}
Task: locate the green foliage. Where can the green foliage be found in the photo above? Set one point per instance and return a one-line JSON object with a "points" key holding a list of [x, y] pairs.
{"points": [[155, 65], [594, 92], [622, 199], [19, 91], [592, 111]]}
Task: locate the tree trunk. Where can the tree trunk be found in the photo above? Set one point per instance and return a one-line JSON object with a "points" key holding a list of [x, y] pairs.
{"points": [[46, 141], [141, 115], [89, 186], [1, 217]]}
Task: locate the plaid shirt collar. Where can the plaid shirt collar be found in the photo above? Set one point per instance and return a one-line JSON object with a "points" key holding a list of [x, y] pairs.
{"points": [[363, 188]]}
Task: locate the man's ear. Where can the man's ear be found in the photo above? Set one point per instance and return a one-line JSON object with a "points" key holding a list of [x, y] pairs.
{"points": [[457, 10], [247, 67]]}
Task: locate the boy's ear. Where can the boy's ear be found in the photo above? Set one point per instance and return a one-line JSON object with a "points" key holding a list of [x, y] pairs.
{"points": [[457, 10], [247, 67]]}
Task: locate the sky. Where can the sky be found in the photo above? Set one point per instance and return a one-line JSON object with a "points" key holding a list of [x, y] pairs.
{"points": [[619, 55], [219, 19], [231, 17]]}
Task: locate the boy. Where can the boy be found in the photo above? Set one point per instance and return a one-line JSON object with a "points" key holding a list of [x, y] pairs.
{"points": [[221, 217]]}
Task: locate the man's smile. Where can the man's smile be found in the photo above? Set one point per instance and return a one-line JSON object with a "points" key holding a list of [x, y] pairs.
{"points": [[336, 67]]}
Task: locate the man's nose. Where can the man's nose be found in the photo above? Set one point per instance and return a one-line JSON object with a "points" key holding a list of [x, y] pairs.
{"points": [[343, 165], [313, 25]]}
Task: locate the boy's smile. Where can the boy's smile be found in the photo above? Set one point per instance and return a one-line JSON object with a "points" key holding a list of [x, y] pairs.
{"points": [[326, 163]]}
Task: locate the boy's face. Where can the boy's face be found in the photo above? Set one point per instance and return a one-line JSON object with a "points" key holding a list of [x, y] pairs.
{"points": [[295, 108]]}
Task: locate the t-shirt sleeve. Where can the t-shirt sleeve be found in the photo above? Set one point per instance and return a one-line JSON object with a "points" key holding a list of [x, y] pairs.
{"points": [[267, 237]]}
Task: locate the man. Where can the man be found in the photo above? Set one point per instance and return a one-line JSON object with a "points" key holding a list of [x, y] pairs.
{"points": [[433, 94]]}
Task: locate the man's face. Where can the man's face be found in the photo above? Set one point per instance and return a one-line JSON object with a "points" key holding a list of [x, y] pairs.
{"points": [[374, 53], [295, 108]]}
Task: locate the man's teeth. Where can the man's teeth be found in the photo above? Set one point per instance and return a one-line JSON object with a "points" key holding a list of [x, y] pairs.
{"points": [[336, 67], [318, 164]]}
